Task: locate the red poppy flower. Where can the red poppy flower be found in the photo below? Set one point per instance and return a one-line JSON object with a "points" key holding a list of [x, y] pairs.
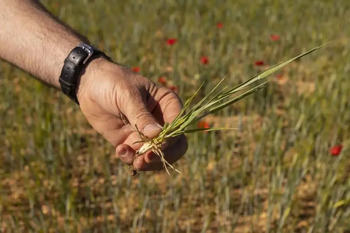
{"points": [[203, 124], [174, 88], [274, 37], [136, 69], [259, 63], [171, 41], [219, 25], [204, 60], [335, 150], [162, 80]]}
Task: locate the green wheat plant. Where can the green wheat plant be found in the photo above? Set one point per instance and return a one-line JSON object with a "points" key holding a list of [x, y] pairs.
{"points": [[214, 101]]}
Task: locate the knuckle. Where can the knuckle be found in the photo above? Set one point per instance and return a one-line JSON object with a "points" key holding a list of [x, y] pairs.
{"points": [[128, 93], [141, 118], [133, 94]]}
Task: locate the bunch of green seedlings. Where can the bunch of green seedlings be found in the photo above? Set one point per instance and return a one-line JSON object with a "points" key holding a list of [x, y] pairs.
{"points": [[214, 101]]}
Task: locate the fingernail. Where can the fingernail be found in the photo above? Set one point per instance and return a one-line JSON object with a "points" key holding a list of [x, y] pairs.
{"points": [[151, 128], [133, 172], [122, 152]]}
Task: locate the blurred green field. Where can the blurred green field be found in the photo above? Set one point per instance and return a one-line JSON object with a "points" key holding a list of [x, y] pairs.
{"points": [[274, 174]]}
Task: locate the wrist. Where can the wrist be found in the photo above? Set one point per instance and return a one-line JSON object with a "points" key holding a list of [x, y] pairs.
{"points": [[74, 66], [91, 75]]}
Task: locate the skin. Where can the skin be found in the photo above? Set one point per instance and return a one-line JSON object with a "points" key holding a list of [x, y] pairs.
{"points": [[35, 41]]}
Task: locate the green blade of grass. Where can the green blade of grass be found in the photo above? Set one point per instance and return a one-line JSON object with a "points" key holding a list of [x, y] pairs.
{"points": [[231, 101], [178, 133], [271, 70]]}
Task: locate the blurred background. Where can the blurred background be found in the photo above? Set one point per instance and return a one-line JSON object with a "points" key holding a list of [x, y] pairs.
{"points": [[284, 170]]}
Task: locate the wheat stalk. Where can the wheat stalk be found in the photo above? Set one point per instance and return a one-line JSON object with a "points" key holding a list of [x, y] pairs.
{"points": [[214, 101]]}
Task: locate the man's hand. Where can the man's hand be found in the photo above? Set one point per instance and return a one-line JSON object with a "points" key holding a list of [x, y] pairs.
{"points": [[107, 92], [32, 39]]}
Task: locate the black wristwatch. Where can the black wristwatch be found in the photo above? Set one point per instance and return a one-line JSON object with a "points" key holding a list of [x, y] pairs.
{"points": [[76, 61]]}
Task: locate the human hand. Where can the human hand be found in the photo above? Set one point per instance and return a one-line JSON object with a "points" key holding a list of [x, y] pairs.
{"points": [[107, 92]]}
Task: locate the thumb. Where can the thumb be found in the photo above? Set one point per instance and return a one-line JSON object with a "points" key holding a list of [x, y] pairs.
{"points": [[139, 115]]}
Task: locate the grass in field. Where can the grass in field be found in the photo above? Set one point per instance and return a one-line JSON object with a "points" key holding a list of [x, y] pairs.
{"points": [[275, 174]]}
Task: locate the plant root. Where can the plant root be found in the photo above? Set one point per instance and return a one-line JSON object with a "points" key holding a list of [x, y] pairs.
{"points": [[156, 147]]}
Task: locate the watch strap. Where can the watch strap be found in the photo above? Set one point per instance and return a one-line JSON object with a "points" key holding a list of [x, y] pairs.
{"points": [[77, 60]]}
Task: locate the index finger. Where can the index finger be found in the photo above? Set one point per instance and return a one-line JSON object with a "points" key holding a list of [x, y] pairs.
{"points": [[170, 105]]}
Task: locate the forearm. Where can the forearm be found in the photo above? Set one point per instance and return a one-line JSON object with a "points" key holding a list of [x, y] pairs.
{"points": [[33, 40]]}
